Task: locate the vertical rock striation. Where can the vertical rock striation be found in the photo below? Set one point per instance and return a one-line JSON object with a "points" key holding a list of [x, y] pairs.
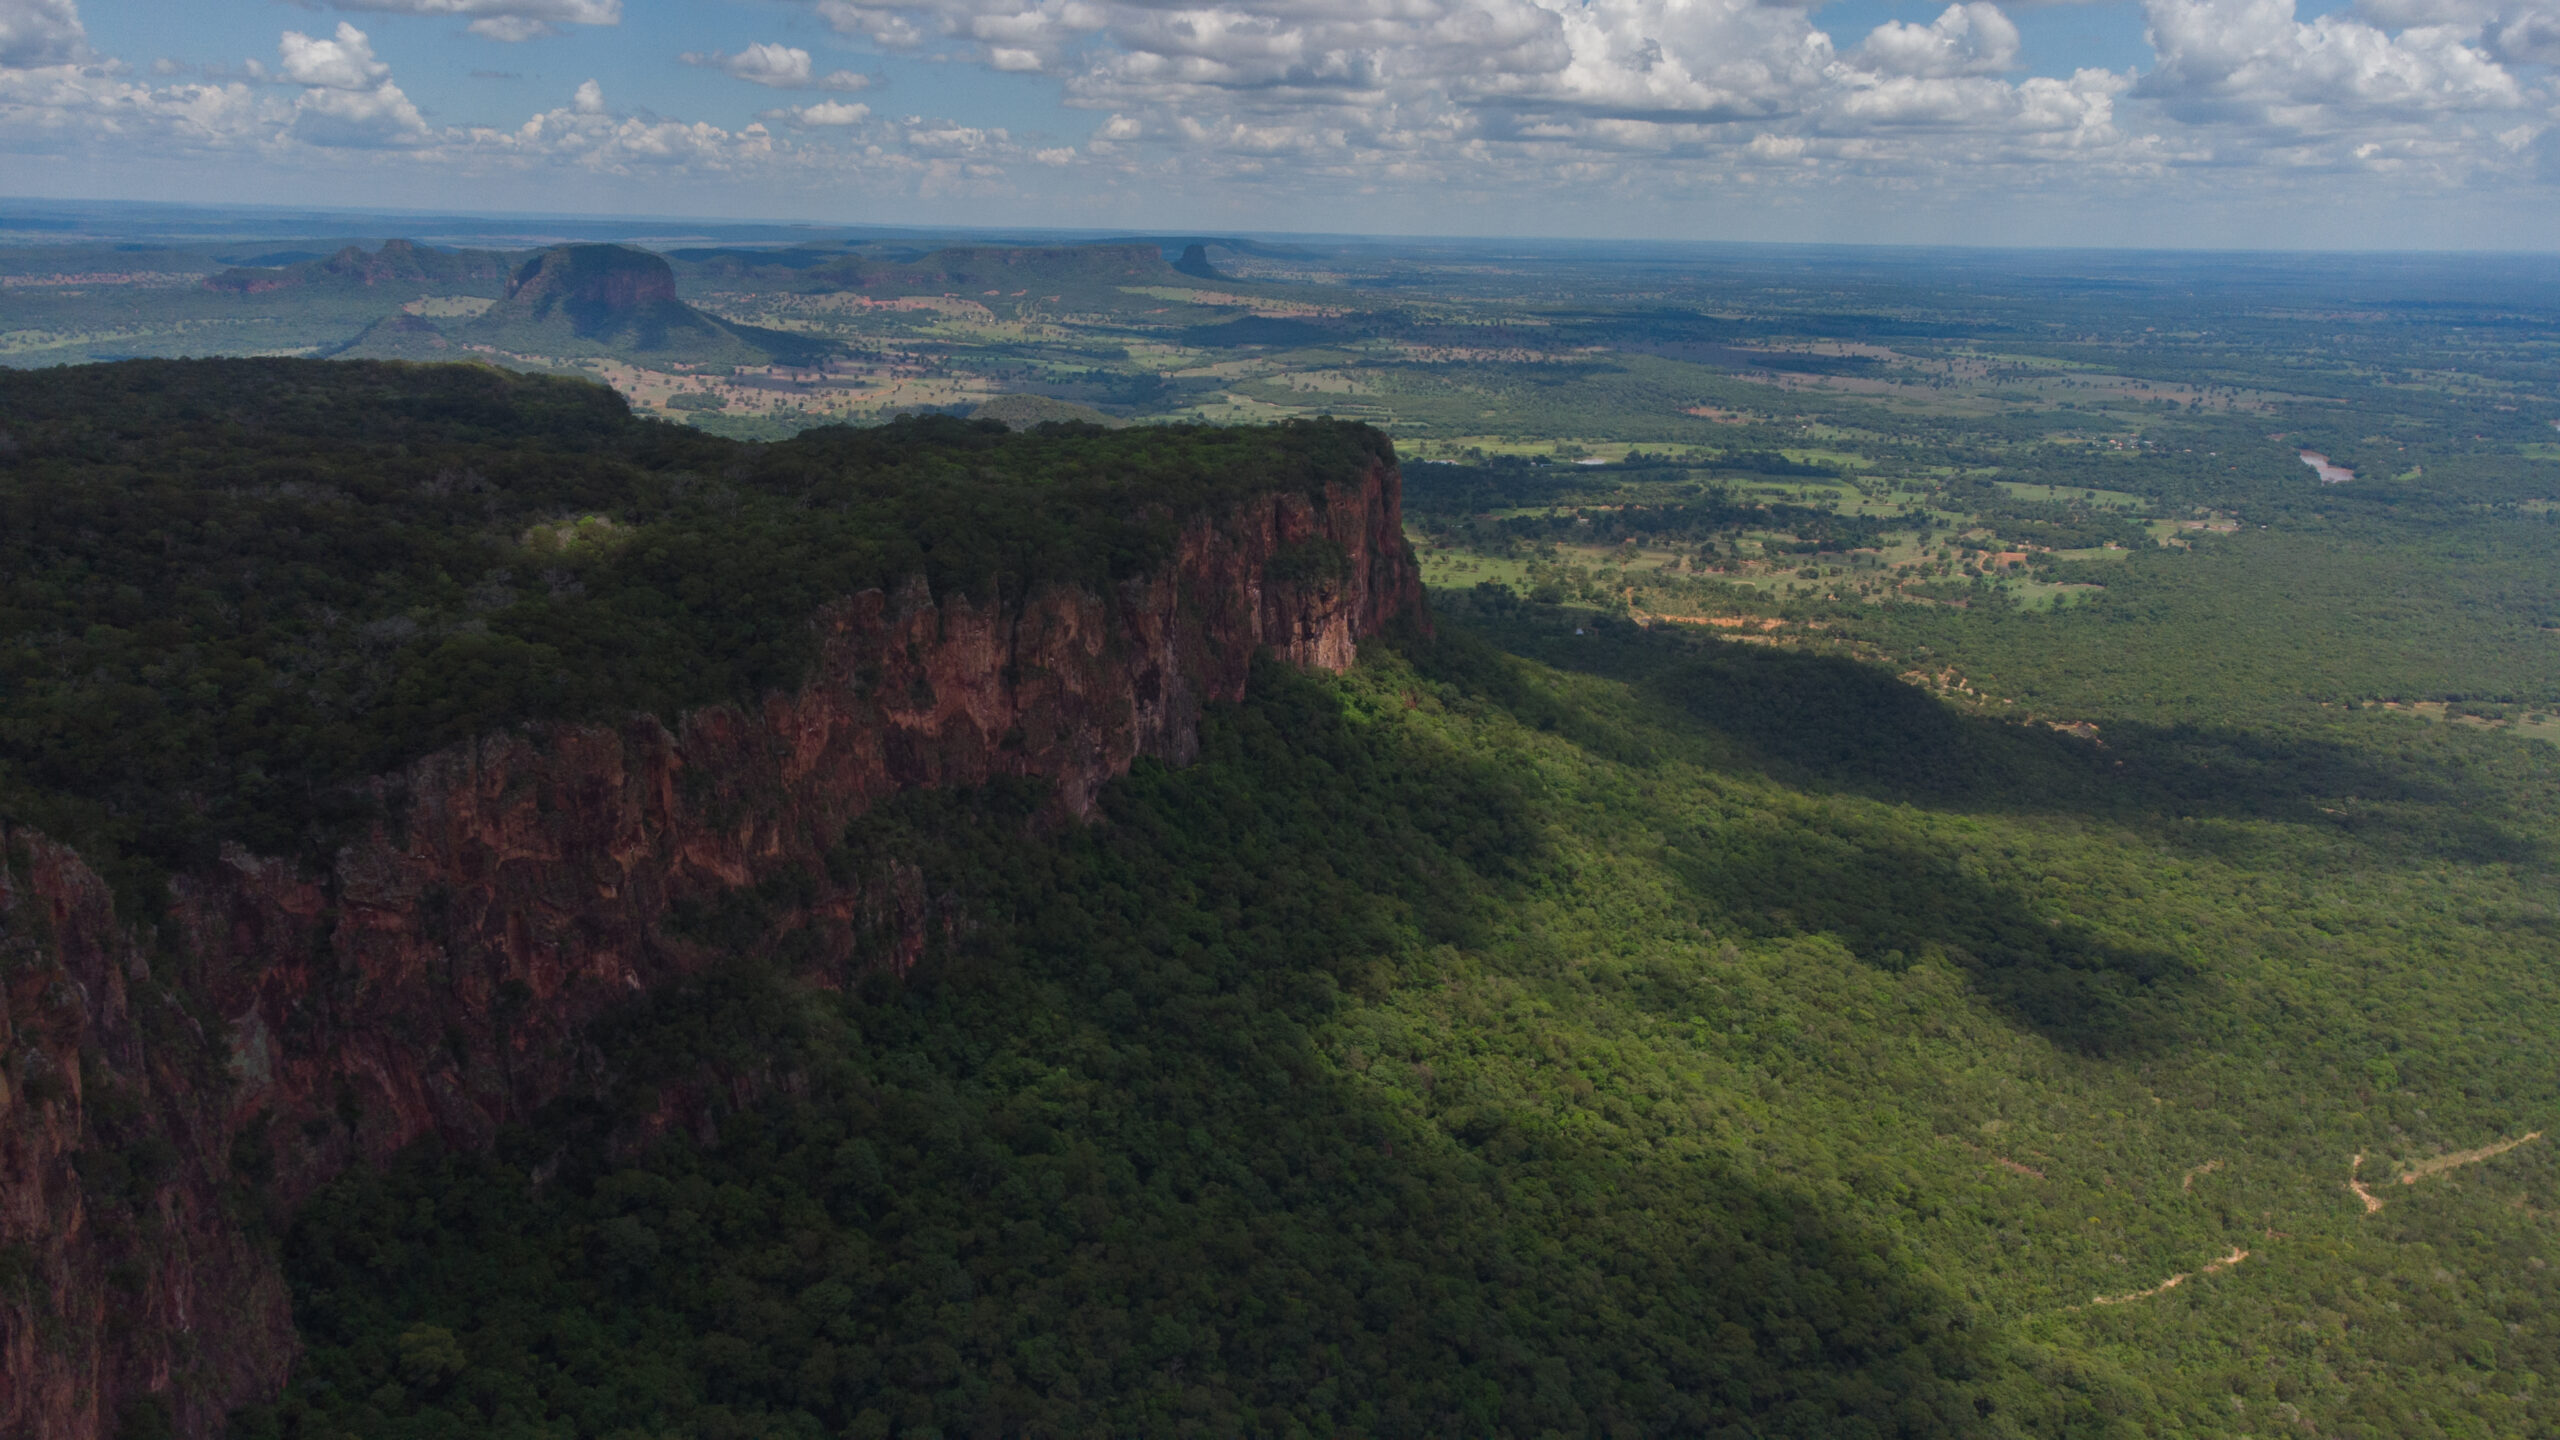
{"points": [[438, 978]]}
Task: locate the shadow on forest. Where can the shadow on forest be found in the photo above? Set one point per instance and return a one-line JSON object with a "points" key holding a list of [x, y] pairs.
{"points": [[1818, 723], [1893, 904], [1106, 1159], [1822, 722]]}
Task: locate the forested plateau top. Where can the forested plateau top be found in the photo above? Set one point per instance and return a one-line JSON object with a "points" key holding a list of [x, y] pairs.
{"points": [[423, 714]]}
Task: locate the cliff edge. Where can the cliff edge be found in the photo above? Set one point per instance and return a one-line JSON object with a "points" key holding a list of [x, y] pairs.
{"points": [[166, 1104]]}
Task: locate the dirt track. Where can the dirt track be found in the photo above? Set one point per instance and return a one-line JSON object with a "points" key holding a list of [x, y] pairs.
{"points": [[2173, 1282], [2442, 1163], [2371, 1204]]}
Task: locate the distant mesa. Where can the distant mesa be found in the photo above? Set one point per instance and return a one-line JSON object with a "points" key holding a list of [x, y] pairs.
{"points": [[568, 302], [1195, 262], [576, 300], [399, 263], [608, 293]]}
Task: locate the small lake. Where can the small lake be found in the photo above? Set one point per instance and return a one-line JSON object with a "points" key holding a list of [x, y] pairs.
{"points": [[2329, 474]]}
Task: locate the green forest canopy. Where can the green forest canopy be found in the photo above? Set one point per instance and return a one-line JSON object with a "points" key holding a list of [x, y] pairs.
{"points": [[228, 588]]}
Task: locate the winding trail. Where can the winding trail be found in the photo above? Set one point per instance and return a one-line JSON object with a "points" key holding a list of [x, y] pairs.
{"points": [[2355, 1182], [2442, 1163], [2173, 1282], [2371, 1204], [2424, 1168]]}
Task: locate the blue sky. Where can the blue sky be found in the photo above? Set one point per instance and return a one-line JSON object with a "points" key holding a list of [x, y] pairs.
{"points": [[2432, 123]]}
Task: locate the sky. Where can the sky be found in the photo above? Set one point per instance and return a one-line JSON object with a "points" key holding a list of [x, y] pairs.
{"points": [[2276, 124]]}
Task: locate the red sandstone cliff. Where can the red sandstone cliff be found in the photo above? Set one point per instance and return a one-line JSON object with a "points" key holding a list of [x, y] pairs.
{"points": [[437, 978]]}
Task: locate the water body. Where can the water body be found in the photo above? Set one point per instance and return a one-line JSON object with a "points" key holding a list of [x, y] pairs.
{"points": [[2329, 474]]}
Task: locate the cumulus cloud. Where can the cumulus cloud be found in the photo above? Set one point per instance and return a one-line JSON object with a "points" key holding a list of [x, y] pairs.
{"points": [[1974, 39], [61, 107], [36, 33], [783, 67], [2251, 62], [2519, 32], [348, 99], [823, 115], [508, 20], [381, 116], [586, 133], [345, 61]]}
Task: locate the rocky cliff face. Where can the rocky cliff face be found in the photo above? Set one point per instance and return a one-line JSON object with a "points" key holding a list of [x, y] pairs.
{"points": [[163, 1107]]}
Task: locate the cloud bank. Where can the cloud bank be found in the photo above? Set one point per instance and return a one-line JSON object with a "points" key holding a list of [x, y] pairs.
{"points": [[1631, 99]]}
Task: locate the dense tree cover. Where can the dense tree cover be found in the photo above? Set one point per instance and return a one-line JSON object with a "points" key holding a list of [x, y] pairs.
{"points": [[2268, 625], [1496, 508], [1098, 1170], [229, 589], [1677, 1038]]}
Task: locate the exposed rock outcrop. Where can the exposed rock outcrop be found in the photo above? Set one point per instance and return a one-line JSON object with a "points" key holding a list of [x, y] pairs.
{"points": [[163, 1103]]}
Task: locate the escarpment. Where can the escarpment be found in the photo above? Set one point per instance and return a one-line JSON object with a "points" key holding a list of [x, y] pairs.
{"points": [[170, 1097]]}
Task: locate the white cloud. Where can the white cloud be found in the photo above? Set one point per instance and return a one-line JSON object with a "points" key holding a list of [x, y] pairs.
{"points": [[64, 107], [1974, 39], [824, 114], [511, 29], [589, 99], [782, 67], [508, 20], [2251, 64], [941, 137], [2520, 32], [348, 100], [363, 119], [41, 32], [343, 62]]}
